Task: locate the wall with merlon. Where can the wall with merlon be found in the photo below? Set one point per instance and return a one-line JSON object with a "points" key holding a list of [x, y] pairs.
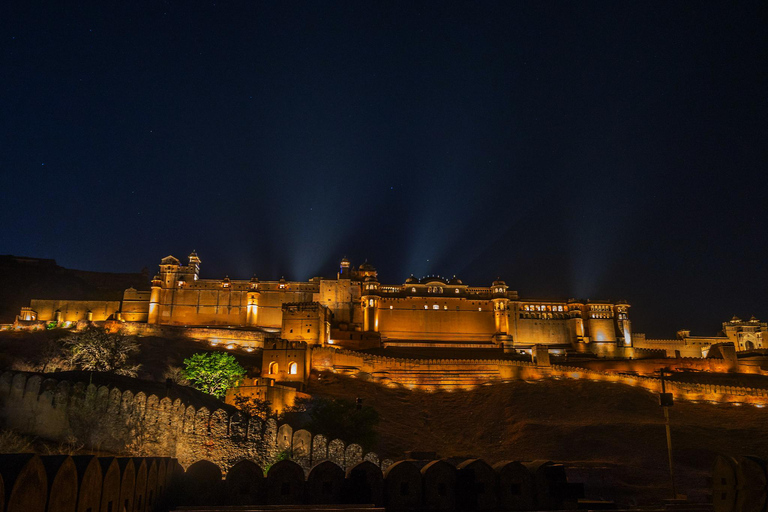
{"points": [[124, 422], [434, 374], [242, 338]]}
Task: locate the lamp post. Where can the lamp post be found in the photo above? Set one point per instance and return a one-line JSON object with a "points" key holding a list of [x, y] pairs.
{"points": [[666, 401]]}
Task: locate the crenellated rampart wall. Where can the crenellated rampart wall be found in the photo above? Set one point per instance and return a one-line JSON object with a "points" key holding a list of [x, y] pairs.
{"points": [[447, 374], [248, 339], [126, 422]]}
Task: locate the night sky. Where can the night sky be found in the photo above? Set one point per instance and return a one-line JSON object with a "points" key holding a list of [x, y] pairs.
{"points": [[606, 150]]}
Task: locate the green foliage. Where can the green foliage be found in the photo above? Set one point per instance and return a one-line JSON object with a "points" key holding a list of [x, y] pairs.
{"points": [[213, 372], [283, 455], [50, 325], [336, 418], [254, 406], [98, 350]]}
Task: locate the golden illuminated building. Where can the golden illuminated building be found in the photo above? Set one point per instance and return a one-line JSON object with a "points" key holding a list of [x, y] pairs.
{"points": [[354, 310]]}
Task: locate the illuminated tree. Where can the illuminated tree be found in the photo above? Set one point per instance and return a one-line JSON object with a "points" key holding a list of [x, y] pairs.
{"points": [[213, 372], [98, 350]]}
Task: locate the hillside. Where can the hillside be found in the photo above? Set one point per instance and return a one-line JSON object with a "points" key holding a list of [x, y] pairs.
{"points": [[26, 351], [611, 435], [34, 278]]}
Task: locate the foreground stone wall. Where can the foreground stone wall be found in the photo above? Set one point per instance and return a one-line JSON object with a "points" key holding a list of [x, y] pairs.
{"points": [[408, 485], [59, 483], [127, 422]]}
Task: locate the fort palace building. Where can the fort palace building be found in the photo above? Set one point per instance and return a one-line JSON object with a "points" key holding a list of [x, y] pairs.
{"points": [[354, 310]]}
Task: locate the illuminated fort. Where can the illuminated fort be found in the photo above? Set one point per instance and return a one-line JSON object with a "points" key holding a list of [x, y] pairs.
{"points": [[355, 310]]}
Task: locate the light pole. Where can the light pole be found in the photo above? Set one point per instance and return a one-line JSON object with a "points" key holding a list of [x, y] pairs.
{"points": [[665, 400]]}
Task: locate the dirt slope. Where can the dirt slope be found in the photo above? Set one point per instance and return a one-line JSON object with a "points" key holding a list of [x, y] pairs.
{"points": [[611, 435]]}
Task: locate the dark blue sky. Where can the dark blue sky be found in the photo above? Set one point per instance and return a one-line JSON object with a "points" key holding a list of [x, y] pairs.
{"points": [[587, 149]]}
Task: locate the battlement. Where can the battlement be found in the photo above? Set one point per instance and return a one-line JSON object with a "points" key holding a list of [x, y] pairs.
{"points": [[122, 421]]}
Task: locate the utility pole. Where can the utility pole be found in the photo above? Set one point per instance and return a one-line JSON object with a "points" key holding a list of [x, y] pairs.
{"points": [[665, 400]]}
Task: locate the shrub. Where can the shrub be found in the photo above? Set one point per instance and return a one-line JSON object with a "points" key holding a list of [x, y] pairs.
{"points": [[213, 372], [96, 349]]}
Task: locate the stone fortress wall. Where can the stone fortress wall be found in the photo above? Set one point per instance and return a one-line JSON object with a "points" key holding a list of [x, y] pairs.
{"points": [[455, 374], [245, 339], [427, 310], [119, 421], [62, 483]]}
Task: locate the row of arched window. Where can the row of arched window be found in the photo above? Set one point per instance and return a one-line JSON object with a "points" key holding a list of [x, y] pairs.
{"points": [[293, 368], [434, 289], [544, 316], [542, 307]]}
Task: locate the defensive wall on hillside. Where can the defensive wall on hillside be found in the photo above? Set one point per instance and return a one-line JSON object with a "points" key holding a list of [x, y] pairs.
{"points": [[121, 421], [455, 374], [246, 339]]}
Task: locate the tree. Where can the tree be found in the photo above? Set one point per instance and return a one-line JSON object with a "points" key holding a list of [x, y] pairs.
{"points": [[254, 406], [213, 372], [337, 418], [98, 350], [176, 375]]}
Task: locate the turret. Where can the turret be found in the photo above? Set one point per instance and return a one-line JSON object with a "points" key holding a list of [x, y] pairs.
{"points": [[194, 265], [252, 296], [154, 300], [370, 299], [366, 270], [500, 306], [169, 270], [623, 324], [576, 328], [344, 272]]}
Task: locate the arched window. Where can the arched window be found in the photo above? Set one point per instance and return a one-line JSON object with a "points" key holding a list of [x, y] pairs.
{"points": [[273, 368], [293, 368], [413, 290]]}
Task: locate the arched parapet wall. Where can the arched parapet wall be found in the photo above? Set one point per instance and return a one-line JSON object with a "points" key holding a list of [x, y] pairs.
{"points": [[141, 484]]}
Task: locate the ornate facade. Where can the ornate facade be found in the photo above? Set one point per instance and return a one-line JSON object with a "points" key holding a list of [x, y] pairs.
{"points": [[355, 310]]}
